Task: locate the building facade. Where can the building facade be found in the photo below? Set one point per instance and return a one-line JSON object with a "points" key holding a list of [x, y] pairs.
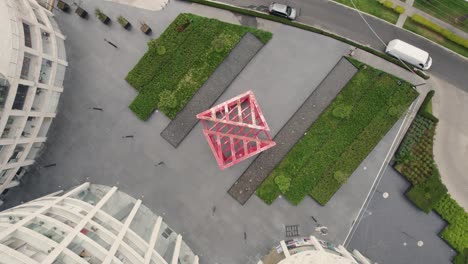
{"points": [[310, 250], [89, 224], [32, 69]]}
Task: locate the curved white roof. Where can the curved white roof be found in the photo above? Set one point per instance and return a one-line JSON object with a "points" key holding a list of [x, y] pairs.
{"points": [[315, 257], [5, 38]]}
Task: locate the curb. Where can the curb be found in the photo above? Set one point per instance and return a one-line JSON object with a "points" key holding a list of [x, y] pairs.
{"points": [[303, 26]]}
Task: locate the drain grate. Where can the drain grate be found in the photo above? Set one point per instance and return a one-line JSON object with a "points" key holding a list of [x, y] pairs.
{"points": [[292, 230]]}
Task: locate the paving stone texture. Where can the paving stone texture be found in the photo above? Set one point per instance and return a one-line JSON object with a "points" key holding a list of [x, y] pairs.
{"points": [[185, 184]]}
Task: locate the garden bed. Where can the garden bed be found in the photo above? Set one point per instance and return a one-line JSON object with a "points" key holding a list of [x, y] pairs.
{"points": [[178, 63], [341, 138], [292, 131], [415, 161]]}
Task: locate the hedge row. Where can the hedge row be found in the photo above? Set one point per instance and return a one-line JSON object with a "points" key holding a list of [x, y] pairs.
{"points": [[438, 29], [415, 160], [427, 191], [456, 234], [341, 138], [389, 4], [399, 9], [288, 22], [178, 63]]}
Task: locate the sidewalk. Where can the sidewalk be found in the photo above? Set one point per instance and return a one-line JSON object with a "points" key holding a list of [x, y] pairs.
{"points": [[410, 10]]}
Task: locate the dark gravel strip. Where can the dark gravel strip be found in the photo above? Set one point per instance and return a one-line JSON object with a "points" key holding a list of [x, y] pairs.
{"points": [[292, 131], [212, 89]]}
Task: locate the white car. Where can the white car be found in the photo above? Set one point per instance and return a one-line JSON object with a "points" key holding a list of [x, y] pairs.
{"points": [[282, 11]]}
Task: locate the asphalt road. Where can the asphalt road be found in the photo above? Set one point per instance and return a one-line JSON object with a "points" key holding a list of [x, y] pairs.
{"points": [[447, 66]]}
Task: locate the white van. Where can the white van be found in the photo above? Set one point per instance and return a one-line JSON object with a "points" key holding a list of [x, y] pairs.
{"points": [[409, 53]]}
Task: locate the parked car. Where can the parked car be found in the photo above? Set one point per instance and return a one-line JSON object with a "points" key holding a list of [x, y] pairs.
{"points": [[409, 53], [282, 11]]}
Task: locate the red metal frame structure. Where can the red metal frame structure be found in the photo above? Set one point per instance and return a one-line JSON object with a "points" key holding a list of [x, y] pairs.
{"points": [[236, 130]]}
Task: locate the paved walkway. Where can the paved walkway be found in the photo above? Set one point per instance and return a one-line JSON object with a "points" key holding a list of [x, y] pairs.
{"points": [[402, 18], [293, 131], [390, 228], [212, 89], [152, 5]]}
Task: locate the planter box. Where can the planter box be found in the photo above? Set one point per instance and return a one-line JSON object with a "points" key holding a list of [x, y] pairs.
{"points": [[63, 6], [124, 23], [104, 19], [127, 26], [81, 12], [145, 29]]}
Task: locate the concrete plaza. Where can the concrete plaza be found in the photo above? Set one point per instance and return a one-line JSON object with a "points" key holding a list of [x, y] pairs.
{"points": [[184, 184]]}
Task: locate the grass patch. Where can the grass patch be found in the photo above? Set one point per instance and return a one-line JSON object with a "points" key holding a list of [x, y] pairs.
{"points": [[429, 33], [341, 138], [382, 10], [178, 63], [450, 11]]}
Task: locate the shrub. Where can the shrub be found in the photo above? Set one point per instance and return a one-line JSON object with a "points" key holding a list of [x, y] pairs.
{"points": [[461, 258], [161, 50], [340, 176], [397, 110], [399, 9], [427, 194], [388, 4], [342, 111], [167, 99], [99, 14], [438, 29], [122, 21], [283, 183], [456, 233]]}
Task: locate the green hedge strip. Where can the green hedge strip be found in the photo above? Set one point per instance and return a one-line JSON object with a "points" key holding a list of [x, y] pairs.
{"points": [[427, 191], [338, 141], [178, 63], [436, 28]]}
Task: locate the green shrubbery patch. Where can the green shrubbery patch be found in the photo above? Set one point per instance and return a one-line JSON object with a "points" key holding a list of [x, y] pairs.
{"points": [[178, 63], [414, 159], [438, 29], [341, 138], [456, 234], [400, 10]]}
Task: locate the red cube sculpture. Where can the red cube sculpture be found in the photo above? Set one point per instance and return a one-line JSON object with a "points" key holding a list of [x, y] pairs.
{"points": [[236, 130]]}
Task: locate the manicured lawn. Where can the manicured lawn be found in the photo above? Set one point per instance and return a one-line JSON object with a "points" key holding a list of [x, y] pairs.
{"points": [[450, 11], [373, 7], [434, 36], [178, 63], [341, 138]]}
